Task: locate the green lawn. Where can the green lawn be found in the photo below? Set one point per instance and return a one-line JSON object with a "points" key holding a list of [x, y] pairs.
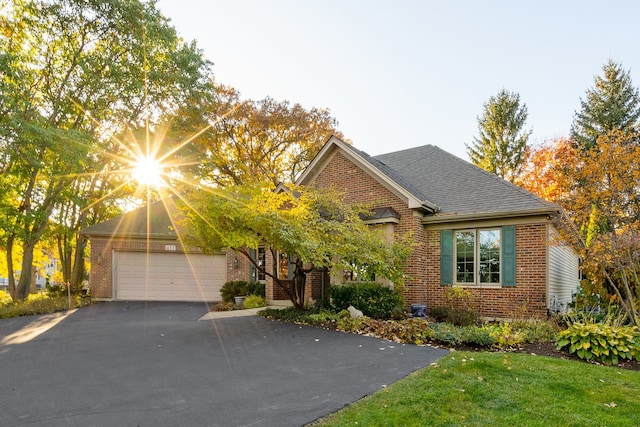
{"points": [[496, 389]]}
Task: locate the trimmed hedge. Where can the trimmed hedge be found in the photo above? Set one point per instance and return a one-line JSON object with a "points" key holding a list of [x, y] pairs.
{"points": [[373, 299]]}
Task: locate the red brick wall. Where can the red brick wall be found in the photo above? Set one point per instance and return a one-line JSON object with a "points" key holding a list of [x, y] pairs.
{"points": [[101, 275], [360, 187], [527, 298]]}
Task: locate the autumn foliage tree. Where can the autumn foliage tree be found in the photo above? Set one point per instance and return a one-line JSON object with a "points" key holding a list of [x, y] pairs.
{"points": [[314, 228], [604, 204], [546, 169], [264, 140]]}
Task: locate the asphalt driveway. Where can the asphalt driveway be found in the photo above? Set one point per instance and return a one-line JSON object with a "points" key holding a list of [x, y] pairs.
{"points": [[155, 364]]}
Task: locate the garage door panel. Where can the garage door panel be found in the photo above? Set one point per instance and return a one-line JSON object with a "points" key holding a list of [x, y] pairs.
{"points": [[168, 276]]}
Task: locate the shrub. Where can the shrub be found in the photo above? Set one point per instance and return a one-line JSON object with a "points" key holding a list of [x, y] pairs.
{"points": [[457, 315], [312, 317], [537, 330], [605, 342], [447, 333], [224, 306], [373, 299], [40, 304], [458, 297], [409, 331], [415, 331], [477, 336], [254, 301], [256, 288], [505, 335], [238, 288]]}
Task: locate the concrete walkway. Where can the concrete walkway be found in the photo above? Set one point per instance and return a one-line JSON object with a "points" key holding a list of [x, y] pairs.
{"points": [[235, 313]]}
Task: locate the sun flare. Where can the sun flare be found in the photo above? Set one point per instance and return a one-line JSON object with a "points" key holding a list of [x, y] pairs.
{"points": [[148, 171]]}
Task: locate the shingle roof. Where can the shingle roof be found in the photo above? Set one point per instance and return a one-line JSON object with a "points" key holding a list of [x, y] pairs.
{"points": [[134, 224], [455, 186]]}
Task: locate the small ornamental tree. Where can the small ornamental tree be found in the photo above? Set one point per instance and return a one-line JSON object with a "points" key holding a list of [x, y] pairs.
{"points": [[314, 228]]}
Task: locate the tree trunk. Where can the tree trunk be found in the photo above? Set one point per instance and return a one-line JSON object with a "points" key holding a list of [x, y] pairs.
{"points": [[11, 279], [298, 285], [24, 284], [77, 273]]}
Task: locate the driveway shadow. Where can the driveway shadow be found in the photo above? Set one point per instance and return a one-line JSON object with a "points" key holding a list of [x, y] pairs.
{"points": [[154, 364]]}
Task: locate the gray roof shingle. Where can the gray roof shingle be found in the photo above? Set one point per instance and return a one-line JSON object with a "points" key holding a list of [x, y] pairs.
{"points": [[455, 186], [134, 224]]}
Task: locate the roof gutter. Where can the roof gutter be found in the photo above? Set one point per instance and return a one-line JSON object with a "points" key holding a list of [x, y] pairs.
{"points": [[439, 219]]}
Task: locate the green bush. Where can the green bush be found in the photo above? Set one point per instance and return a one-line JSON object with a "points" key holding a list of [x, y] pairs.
{"points": [[38, 305], [239, 288], [415, 331], [537, 330], [311, 317], [256, 288], [477, 336], [254, 301], [605, 342], [456, 315], [373, 299], [505, 335], [447, 333]]}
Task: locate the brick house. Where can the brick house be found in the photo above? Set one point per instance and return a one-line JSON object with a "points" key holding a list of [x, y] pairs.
{"points": [[472, 228]]}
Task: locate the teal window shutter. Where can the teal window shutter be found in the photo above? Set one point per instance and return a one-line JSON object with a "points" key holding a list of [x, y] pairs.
{"points": [[508, 255], [446, 257]]}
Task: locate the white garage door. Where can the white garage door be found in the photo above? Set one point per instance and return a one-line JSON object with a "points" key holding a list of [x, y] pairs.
{"points": [[168, 276]]}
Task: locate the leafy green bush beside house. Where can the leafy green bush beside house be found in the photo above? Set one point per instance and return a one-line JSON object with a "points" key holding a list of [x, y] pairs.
{"points": [[375, 300], [254, 301], [241, 288]]}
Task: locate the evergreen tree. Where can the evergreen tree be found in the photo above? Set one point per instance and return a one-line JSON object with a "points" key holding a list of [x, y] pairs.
{"points": [[612, 103], [500, 146]]}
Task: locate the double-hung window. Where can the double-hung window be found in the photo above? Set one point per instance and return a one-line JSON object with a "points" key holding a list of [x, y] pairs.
{"points": [[477, 255]]}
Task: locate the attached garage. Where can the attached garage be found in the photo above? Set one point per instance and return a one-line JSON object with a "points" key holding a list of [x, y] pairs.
{"points": [[168, 276], [139, 256]]}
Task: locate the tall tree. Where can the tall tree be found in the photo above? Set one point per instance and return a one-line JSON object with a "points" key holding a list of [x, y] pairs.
{"points": [[613, 103], [315, 229], [500, 146], [75, 73], [604, 204], [259, 140], [544, 172]]}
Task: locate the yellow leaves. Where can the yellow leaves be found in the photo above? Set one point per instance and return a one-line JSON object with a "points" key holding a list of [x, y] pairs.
{"points": [[543, 170]]}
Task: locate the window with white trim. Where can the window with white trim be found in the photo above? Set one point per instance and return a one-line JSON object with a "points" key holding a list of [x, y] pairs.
{"points": [[477, 254]]}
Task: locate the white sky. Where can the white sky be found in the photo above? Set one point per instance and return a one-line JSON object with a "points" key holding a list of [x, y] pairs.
{"points": [[400, 74]]}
